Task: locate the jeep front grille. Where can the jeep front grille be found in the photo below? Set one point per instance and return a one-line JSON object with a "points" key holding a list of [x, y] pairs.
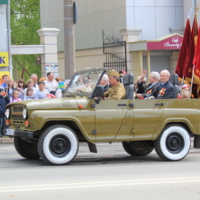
{"points": [[17, 117], [16, 114]]}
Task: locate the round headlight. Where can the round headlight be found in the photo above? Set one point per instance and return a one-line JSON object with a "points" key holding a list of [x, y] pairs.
{"points": [[7, 113], [24, 113]]}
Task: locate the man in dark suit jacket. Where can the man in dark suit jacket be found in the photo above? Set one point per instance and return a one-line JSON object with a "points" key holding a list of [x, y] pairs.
{"points": [[151, 89], [166, 89]]}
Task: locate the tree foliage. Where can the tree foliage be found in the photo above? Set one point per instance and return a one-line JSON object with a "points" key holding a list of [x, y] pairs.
{"points": [[25, 21]]}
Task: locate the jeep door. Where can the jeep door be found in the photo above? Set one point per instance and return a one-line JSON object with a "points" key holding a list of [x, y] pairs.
{"points": [[147, 114], [110, 115]]}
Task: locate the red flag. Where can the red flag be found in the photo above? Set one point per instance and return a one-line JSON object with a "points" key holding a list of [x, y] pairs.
{"points": [[187, 72], [196, 61], [183, 51]]}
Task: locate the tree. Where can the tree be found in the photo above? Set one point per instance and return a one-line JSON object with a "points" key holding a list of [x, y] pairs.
{"points": [[25, 21]]}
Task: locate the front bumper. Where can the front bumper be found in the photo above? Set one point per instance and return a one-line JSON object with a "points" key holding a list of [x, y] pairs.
{"points": [[18, 133]]}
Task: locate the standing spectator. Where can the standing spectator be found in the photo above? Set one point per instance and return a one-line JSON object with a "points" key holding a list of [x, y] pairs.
{"points": [[29, 95], [61, 83], [34, 77], [2, 110], [5, 80], [30, 84], [51, 84], [10, 88], [21, 86], [15, 96], [41, 93]]}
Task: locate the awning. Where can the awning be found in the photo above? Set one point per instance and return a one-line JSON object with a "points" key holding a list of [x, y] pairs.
{"points": [[169, 42]]}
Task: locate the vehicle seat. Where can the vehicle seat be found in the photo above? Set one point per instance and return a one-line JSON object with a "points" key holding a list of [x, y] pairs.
{"points": [[174, 80], [128, 85]]}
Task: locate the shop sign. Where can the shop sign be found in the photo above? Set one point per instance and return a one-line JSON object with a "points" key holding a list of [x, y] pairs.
{"points": [[174, 42], [4, 59]]}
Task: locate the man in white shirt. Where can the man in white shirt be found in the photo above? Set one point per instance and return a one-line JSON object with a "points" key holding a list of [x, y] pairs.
{"points": [[51, 84]]}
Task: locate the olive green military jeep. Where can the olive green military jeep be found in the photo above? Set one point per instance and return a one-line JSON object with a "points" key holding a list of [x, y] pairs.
{"points": [[51, 129]]}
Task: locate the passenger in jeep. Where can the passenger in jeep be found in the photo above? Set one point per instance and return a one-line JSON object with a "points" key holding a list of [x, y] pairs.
{"points": [[166, 89], [150, 90], [105, 82], [117, 90]]}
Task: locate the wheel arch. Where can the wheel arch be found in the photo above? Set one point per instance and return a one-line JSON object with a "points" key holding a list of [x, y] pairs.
{"points": [[70, 124], [186, 124]]}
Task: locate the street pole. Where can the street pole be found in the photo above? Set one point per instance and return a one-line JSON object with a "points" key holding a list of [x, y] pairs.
{"points": [[9, 40], [69, 38]]}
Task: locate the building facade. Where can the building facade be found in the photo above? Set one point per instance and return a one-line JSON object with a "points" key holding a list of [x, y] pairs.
{"points": [[133, 21]]}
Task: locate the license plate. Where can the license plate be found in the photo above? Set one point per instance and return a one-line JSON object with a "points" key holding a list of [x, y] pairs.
{"points": [[10, 131]]}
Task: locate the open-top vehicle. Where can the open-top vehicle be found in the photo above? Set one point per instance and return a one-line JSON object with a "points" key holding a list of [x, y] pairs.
{"points": [[52, 129]]}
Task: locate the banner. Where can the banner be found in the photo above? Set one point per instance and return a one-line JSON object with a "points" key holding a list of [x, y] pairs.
{"points": [[4, 59]]}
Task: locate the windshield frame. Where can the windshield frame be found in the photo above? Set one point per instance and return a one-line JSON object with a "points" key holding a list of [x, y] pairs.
{"points": [[103, 70]]}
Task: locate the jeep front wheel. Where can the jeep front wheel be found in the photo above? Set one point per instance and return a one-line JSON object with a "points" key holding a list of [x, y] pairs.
{"points": [[58, 145], [173, 144], [138, 148], [26, 149]]}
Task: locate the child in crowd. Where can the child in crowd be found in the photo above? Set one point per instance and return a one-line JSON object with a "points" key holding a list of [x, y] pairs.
{"points": [[2, 110], [15, 96], [29, 94], [30, 84], [21, 86]]}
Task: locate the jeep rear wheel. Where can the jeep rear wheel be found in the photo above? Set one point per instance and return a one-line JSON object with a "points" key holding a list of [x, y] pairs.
{"points": [[173, 144], [138, 148], [58, 145], [26, 149]]}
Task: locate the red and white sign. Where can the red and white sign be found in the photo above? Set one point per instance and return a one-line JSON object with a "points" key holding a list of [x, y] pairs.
{"points": [[174, 42]]}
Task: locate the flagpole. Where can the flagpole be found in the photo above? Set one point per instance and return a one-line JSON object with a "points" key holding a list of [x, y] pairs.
{"points": [[192, 81]]}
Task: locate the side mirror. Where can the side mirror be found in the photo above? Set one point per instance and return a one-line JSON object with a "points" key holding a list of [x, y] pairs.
{"points": [[99, 91]]}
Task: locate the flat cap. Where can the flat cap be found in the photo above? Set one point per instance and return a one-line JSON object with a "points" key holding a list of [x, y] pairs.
{"points": [[114, 73]]}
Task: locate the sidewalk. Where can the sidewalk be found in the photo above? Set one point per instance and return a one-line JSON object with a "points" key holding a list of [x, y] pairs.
{"points": [[6, 140]]}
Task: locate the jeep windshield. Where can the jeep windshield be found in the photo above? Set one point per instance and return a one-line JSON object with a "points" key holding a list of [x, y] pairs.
{"points": [[84, 82]]}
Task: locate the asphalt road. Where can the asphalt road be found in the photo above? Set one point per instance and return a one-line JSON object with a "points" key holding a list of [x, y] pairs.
{"points": [[110, 174]]}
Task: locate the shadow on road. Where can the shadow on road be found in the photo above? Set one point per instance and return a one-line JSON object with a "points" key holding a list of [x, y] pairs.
{"points": [[86, 161]]}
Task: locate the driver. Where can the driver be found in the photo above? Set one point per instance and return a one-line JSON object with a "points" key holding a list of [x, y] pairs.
{"points": [[117, 90]]}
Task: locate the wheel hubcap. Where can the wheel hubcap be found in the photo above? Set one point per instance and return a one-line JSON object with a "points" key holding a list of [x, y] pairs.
{"points": [[174, 143], [60, 146]]}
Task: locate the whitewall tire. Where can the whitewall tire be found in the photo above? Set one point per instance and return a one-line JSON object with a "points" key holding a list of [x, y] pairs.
{"points": [[58, 145], [173, 144]]}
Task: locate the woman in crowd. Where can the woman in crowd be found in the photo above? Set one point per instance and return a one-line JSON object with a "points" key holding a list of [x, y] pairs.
{"points": [[10, 88], [15, 96], [21, 86], [30, 84], [29, 95]]}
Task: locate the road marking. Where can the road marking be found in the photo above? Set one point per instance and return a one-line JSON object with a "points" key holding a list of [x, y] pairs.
{"points": [[97, 184]]}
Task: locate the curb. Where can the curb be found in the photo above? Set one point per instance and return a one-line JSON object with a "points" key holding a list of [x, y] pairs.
{"points": [[6, 140]]}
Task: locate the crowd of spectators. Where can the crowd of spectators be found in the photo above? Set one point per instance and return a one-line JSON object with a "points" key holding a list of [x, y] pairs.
{"points": [[43, 88]]}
